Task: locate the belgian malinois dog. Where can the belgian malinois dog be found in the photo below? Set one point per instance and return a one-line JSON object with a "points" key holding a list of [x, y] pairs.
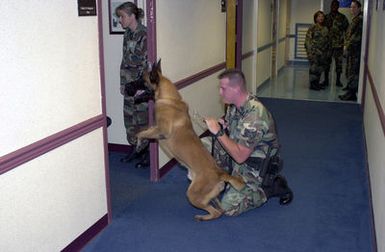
{"points": [[174, 131]]}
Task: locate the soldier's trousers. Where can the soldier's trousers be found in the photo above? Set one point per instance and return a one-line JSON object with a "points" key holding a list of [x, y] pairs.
{"points": [[315, 71], [353, 70], [135, 120], [235, 202], [337, 54]]}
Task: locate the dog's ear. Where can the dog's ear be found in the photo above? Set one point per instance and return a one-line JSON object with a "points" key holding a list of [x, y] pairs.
{"points": [[158, 66], [154, 74]]}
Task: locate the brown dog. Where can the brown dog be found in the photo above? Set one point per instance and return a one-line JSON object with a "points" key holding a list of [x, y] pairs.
{"points": [[177, 137]]}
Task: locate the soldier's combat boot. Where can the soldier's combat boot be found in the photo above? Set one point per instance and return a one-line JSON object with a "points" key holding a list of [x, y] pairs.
{"points": [[314, 85], [131, 156], [279, 189], [144, 160]]}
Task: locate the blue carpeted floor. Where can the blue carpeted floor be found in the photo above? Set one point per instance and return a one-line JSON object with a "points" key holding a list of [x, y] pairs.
{"points": [[324, 162]]}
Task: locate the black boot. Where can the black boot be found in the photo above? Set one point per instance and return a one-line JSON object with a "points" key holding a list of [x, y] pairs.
{"points": [[280, 189], [314, 85], [144, 160], [338, 81], [349, 96], [130, 157]]}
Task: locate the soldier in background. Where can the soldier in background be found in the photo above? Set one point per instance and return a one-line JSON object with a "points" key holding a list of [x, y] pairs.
{"points": [[317, 45], [134, 62], [353, 51], [337, 23]]}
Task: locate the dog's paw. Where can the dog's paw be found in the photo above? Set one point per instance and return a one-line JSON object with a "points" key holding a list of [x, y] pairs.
{"points": [[139, 135], [198, 218]]}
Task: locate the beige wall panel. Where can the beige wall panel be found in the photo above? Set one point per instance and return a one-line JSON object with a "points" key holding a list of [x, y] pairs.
{"points": [[190, 39], [263, 66], [41, 94], [49, 201], [264, 35], [376, 159], [374, 135], [248, 68], [249, 42], [281, 55], [281, 34], [249, 23]]}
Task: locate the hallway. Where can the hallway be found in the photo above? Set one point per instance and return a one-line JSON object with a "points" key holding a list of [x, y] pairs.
{"points": [[293, 83], [323, 162]]}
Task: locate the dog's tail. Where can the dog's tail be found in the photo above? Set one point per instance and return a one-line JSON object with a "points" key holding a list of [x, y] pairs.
{"points": [[235, 181]]}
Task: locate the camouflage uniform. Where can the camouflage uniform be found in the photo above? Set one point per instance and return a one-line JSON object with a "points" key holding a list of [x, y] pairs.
{"points": [[133, 64], [337, 23], [317, 45], [353, 48], [252, 126]]}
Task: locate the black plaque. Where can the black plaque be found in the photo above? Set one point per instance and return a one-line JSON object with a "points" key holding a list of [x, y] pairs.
{"points": [[87, 7]]}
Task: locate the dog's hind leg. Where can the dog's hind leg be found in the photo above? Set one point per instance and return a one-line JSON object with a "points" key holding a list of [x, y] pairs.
{"points": [[213, 214], [235, 181], [201, 197]]}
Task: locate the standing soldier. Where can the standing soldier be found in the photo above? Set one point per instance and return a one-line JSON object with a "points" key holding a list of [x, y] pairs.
{"points": [[353, 51], [317, 45], [134, 62], [337, 23]]}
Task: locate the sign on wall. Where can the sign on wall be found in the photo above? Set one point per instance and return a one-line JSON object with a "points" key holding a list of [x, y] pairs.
{"points": [[87, 7], [345, 3]]}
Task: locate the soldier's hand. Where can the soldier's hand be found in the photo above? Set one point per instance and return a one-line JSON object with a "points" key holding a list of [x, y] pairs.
{"points": [[212, 125], [122, 88]]}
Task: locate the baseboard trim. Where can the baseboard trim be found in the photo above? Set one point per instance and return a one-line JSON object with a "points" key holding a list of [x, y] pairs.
{"points": [[298, 63], [87, 235], [120, 148], [263, 85]]}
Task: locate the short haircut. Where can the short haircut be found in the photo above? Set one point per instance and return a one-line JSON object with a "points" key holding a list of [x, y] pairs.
{"points": [[236, 77], [357, 3], [335, 2]]}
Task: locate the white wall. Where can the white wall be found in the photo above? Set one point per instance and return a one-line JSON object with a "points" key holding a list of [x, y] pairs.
{"points": [[50, 82], [375, 137]]}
